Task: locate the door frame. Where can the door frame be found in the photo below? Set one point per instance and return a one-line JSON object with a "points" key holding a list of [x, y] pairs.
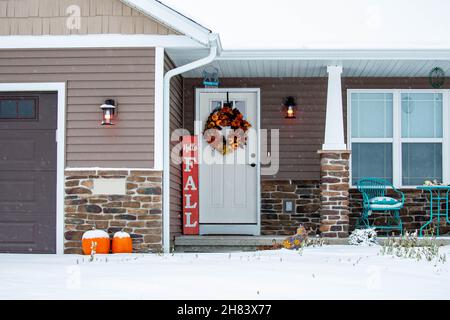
{"points": [[237, 228], [60, 136]]}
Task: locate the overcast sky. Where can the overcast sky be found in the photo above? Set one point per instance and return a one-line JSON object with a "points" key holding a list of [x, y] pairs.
{"points": [[244, 24]]}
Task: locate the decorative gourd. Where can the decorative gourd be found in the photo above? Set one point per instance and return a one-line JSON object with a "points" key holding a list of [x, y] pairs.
{"points": [[122, 243], [97, 239], [296, 241]]}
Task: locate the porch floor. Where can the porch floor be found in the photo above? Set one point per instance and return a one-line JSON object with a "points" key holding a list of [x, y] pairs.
{"points": [[233, 243]]}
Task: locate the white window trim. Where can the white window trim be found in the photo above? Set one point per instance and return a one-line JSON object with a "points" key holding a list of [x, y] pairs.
{"points": [[159, 107], [397, 140]]}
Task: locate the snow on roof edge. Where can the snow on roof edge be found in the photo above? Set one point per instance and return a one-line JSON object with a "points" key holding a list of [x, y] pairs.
{"points": [[171, 18]]}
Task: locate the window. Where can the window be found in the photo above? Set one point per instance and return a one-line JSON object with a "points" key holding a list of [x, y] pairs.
{"points": [[372, 135], [397, 135], [421, 123], [18, 108], [372, 160], [420, 162]]}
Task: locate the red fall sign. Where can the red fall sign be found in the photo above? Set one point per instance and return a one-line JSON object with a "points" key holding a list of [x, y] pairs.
{"points": [[189, 167]]}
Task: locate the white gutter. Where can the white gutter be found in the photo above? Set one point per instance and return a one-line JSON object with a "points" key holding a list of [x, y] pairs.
{"points": [[213, 41]]}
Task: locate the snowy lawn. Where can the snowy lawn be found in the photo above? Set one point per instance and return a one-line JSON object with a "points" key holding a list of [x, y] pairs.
{"points": [[329, 272]]}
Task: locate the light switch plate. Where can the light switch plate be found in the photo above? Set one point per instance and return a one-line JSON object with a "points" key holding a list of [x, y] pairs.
{"points": [[288, 206]]}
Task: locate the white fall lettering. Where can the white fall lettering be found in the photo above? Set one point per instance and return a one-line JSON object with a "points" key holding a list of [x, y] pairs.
{"points": [[190, 184], [189, 224], [191, 147], [204, 311], [189, 161], [189, 205]]}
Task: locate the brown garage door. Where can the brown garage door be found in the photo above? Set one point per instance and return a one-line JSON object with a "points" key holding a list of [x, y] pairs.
{"points": [[28, 122]]}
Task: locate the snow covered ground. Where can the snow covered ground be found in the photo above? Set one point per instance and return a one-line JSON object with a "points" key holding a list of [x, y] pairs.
{"points": [[329, 272]]}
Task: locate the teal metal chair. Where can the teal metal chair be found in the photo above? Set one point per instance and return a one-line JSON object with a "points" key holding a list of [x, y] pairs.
{"points": [[374, 192]]}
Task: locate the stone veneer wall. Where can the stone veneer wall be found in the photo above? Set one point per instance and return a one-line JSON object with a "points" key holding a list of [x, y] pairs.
{"points": [[334, 176], [138, 212], [306, 197], [414, 214]]}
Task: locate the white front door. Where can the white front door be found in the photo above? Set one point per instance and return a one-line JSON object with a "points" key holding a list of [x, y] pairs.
{"points": [[228, 183]]}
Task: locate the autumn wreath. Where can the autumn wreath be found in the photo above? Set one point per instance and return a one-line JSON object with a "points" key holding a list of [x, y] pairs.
{"points": [[221, 118]]}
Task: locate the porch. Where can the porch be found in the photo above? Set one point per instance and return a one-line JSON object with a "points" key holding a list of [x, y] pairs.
{"points": [[230, 243], [315, 170]]}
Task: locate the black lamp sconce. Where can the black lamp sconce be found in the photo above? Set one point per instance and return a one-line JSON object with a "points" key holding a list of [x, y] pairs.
{"points": [[289, 107], [109, 110]]}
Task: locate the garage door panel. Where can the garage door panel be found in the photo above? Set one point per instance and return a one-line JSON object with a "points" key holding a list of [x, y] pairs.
{"points": [[27, 191], [27, 150], [45, 107], [28, 234], [17, 232]]}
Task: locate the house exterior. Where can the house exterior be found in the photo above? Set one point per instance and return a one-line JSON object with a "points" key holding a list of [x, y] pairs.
{"points": [[358, 113]]}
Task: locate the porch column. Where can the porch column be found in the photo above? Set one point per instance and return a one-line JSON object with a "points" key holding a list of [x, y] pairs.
{"points": [[334, 164], [334, 197], [334, 125]]}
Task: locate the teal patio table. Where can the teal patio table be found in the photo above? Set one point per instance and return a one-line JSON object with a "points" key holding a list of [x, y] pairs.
{"points": [[438, 194]]}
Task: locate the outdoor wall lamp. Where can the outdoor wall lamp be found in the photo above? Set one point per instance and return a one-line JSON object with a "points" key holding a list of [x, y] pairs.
{"points": [[290, 107], [109, 110]]}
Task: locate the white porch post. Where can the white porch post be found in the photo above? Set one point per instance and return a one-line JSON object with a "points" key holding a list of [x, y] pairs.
{"points": [[334, 125], [334, 164]]}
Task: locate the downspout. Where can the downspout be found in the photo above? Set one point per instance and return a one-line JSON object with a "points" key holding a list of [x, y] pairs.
{"points": [[166, 136]]}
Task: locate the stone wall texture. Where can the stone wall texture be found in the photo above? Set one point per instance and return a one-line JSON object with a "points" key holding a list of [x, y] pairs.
{"points": [[305, 195], [138, 212], [307, 198], [334, 174]]}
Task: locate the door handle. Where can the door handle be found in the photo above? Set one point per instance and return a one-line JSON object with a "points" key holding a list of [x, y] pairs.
{"points": [[252, 165]]}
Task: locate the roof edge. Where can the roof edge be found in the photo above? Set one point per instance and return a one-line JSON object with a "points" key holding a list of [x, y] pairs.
{"points": [[172, 19], [337, 54]]}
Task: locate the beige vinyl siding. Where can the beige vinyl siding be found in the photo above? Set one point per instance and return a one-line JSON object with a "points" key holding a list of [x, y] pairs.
{"points": [[91, 76], [50, 17], [176, 122], [300, 138]]}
